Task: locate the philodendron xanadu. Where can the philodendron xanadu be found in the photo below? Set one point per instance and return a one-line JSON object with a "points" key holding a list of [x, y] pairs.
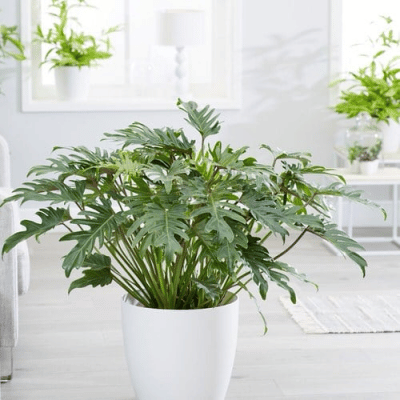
{"points": [[179, 226]]}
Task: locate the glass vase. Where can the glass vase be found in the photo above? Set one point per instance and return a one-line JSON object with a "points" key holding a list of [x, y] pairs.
{"points": [[363, 142]]}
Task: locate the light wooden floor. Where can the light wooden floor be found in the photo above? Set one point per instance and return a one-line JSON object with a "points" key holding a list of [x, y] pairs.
{"points": [[70, 348]]}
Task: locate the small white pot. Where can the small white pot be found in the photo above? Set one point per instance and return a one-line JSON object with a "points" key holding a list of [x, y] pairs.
{"points": [[391, 137], [180, 354], [72, 83], [369, 167]]}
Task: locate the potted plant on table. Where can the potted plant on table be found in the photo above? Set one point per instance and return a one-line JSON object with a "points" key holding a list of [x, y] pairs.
{"points": [[72, 53], [366, 156], [182, 228], [375, 88]]}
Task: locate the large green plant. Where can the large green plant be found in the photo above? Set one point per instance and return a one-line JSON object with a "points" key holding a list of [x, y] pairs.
{"points": [[375, 88], [180, 227], [69, 48]]}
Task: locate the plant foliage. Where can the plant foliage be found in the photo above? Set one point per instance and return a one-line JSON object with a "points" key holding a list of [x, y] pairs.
{"points": [[364, 153], [179, 227], [10, 43], [375, 88], [67, 46]]}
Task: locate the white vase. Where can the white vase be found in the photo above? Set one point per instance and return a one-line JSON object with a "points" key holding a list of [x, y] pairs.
{"points": [[391, 137], [72, 83], [369, 167], [180, 354]]}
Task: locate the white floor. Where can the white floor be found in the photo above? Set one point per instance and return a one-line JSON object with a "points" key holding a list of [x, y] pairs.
{"points": [[70, 347]]}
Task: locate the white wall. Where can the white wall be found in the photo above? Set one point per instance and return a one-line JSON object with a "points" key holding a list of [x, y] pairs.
{"points": [[285, 78]]}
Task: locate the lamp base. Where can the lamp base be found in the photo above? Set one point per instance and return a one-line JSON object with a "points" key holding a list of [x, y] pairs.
{"points": [[181, 73]]}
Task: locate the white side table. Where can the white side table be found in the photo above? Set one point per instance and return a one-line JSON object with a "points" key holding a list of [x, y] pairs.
{"points": [[384, 177]]}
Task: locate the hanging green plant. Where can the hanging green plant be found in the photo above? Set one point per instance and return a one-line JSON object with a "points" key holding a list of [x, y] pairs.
{"points": [[10, 43]]}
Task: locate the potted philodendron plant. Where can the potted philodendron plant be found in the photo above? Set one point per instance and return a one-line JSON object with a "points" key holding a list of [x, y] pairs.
{"points": [[71, 52], [182, 227], [375, 88], [10, 44]]}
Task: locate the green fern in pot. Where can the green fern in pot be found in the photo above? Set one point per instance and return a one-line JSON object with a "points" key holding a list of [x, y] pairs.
{"points": [[374, 88], [69, 46]]}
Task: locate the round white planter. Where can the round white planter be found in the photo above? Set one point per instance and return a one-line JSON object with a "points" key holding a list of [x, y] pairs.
{"points": [[72, 83], [180, 354], [369, 167]]}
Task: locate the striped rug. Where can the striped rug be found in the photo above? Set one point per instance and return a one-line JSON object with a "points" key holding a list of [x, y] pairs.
{"points": [[346, 313]]}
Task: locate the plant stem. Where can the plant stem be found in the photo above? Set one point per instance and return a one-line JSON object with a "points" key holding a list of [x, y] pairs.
{"points": [[292, 245], [265, 237], [177, 273]]}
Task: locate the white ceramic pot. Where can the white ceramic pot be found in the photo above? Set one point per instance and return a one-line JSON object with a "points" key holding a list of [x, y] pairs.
{"points": [[180, 354], [72, 83], [391, 137], [369, 167]]}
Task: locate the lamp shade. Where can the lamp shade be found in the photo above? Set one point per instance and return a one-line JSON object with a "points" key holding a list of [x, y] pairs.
{"points": [[181, 27]]}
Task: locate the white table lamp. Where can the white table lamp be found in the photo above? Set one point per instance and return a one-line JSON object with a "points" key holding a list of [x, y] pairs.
{"points": [[181, 28]]}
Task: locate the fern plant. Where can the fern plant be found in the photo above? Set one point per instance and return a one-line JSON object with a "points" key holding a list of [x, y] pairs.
{"points": [[375, 88], [68, 47], [176, 226]]}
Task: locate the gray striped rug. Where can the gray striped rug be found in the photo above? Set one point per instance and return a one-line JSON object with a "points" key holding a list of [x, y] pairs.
{"points": [[346, 313]]}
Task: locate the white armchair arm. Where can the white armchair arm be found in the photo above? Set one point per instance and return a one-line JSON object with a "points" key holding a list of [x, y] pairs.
{"points": [[14, 280]]}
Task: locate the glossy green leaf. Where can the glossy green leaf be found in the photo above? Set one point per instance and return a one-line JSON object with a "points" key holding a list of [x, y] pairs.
{"points": [[49, 219], [205, 121], [92, 277]]}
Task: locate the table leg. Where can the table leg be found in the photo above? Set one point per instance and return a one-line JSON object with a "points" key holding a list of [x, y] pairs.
{"points": [[395, 212], [350, 225], [340, 213]]}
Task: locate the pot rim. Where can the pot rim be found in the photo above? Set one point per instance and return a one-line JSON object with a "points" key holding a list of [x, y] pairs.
{"points": [[129, 300]]}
